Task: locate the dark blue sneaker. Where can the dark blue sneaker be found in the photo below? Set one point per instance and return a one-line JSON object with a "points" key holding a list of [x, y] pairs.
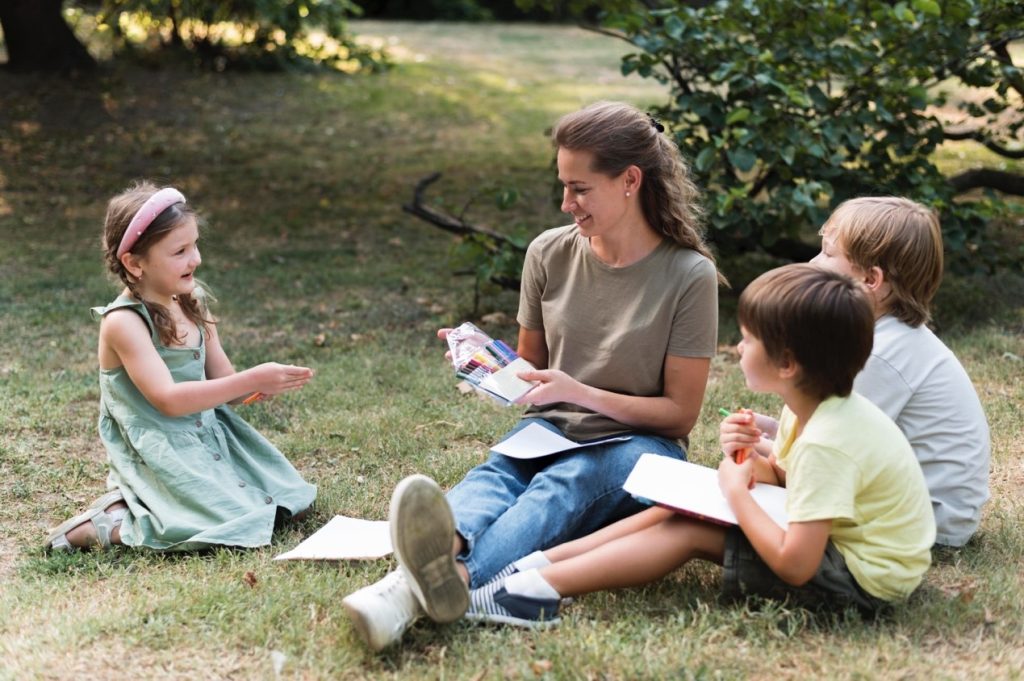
{"points": [[491, 603]]}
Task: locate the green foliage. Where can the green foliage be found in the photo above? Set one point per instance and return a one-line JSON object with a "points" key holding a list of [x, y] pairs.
{"points": [[265, 34], [446, 10], [492, 262], [787, 107]]}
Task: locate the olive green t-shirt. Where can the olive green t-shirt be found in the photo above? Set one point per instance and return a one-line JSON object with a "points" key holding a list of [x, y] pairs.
{"points": [[612, 327]]}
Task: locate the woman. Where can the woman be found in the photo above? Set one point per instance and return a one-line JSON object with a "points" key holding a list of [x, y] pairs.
{"points": [[619, 312]]}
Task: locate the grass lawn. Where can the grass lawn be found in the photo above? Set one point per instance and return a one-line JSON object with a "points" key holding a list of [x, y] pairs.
{"points": [[301, 178]]}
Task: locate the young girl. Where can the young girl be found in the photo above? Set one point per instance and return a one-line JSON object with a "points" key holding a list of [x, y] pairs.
{"points": [[619, 313], [185, 471]]}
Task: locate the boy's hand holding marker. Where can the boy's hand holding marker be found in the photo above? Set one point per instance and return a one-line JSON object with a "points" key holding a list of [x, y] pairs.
{"points": [[738, 435]]}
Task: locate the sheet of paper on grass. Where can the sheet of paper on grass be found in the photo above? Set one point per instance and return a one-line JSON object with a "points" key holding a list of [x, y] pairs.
{"points": [[693, 490], [344, 538], [535, 441]]}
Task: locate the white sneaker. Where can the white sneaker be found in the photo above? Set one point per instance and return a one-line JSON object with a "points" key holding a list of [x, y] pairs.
{"points": [[423, 534], [383, 611]]}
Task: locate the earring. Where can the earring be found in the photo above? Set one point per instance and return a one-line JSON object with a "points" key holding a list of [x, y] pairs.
{"points": [[627, 193]]}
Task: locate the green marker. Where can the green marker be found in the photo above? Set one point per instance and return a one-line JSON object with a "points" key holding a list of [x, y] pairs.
{"points": [[724, 412]]}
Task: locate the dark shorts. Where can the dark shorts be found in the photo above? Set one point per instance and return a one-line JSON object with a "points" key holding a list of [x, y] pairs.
{"points": [[832, 587]]}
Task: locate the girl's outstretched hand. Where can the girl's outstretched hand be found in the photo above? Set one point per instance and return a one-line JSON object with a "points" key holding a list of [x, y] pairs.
{"points": [[277, 378], [738, 431], [553, 386]]}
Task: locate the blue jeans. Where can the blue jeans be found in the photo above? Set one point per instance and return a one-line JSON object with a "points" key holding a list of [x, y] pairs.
{"points": [[506, 508]]}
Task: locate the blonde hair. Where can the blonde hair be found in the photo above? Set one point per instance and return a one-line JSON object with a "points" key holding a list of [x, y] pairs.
{"points": [[619, 136], [818, 318], [120, 211], [900, 237]]}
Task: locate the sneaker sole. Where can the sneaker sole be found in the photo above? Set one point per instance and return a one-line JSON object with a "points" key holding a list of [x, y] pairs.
{"points": [[480, 618], [422, 533]]}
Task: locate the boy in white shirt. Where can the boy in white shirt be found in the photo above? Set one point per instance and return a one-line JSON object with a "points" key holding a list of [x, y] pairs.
{"points": [[894, 247]]}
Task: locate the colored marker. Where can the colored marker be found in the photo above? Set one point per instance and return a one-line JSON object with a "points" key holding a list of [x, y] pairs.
{"points": [[255, 397], [508, 351]]}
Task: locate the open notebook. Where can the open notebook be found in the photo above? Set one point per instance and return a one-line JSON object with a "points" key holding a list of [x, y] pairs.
{"points": [[692, 489]]}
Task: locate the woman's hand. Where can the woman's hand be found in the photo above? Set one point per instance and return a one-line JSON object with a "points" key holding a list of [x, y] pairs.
{"points": [[274, 378], [553, 386], [443, 335]]}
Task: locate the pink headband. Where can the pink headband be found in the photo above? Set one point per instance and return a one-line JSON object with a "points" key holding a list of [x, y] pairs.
{"points": [[154, 205]]}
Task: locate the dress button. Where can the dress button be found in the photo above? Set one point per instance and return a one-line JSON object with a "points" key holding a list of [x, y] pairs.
{"points": [[216, 457], [269, 500], [199, 423], [195, 355], [241, 483]]}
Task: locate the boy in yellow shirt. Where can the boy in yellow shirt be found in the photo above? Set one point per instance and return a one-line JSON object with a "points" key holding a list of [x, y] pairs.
{"points": [[860, 521]]}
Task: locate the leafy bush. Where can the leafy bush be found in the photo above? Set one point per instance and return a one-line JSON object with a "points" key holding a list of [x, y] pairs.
{"points": [[244, 33], [787, 107]]}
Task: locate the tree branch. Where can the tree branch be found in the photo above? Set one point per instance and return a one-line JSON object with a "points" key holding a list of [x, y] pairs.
{"points": [[1003, 55], [987, 178], [452, 224], [606, 31], [761, 182], [979, 137]]}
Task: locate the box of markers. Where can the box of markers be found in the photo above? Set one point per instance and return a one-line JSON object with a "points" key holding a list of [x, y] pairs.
{"points": [[488, 364]]}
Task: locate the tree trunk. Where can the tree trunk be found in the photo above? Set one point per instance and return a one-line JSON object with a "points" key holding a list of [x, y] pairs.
{"points": [[38, 38]]}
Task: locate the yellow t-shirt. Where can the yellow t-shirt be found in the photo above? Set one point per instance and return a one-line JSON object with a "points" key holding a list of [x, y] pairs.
{"points": [[851, 464]]}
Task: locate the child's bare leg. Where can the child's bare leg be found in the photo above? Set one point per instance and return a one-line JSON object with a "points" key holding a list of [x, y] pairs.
{"points": [[638, 558], [85, 535], [626, 526]]}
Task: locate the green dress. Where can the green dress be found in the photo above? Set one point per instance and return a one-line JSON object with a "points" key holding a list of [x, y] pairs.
{"points": [[193, 481]]}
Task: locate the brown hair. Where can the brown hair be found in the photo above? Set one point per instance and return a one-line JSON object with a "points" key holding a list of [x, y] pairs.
{"points": [[120, 211], [620, 136], [903, 239], [820, 319]]}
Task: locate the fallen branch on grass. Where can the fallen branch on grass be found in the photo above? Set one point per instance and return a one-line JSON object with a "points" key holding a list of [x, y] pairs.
{"points": [[493, 242], [452, 224]]}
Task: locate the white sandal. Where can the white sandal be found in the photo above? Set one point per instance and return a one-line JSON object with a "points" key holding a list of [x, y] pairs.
{"points": [[104, 522]]}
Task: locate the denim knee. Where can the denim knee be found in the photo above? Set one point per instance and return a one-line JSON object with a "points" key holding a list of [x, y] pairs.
{"points": [[569, 496]]}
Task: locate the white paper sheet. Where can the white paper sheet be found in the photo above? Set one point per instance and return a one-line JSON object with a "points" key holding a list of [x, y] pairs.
{"points": [[535, 441], [344, 538], [692, 489]]}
